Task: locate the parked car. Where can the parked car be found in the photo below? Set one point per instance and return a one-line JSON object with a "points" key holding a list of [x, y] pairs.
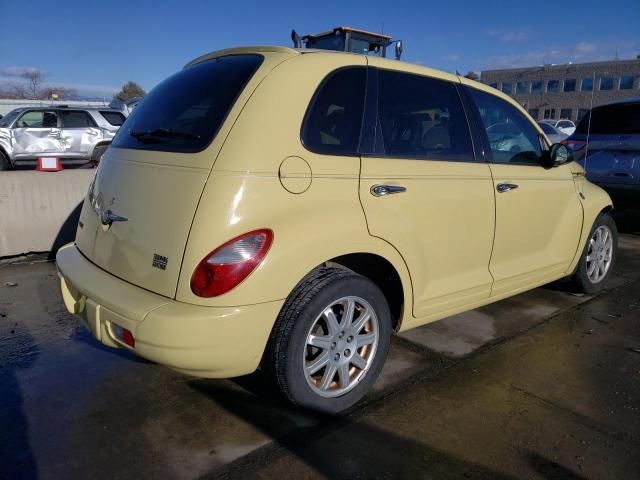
{"points": [[310, 204], [553, 134], [565, 126], [75, 135], [607, 144]]}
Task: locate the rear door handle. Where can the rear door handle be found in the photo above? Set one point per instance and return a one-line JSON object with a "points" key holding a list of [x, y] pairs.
{"points": [[382, 190], [505, 187]]}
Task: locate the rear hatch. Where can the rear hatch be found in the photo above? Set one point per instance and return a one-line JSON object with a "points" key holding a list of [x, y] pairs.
{"points": [[612, 155], [136, 218]]}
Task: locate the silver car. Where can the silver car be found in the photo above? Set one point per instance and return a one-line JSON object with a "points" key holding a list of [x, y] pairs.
{"points": [[75, 135]]}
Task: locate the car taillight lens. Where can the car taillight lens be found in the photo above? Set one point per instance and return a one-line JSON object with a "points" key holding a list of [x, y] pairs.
{"points": [[574, 144], [229, 264]]}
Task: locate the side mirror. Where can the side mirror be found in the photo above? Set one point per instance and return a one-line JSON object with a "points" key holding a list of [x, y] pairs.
{"points": [[557, 155], [398, 49]]}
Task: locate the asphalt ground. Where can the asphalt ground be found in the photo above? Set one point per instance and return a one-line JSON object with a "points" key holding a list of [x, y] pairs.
{"points": [[542, 385]]}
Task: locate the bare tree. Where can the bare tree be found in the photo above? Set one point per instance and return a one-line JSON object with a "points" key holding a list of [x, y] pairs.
{"points": [[34, 78]]}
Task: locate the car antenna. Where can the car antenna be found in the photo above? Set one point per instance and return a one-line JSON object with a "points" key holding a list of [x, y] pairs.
{"points": [[586, 148]]}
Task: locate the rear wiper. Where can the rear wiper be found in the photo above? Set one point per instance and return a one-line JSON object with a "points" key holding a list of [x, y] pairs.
{"points": [[159, 133]]}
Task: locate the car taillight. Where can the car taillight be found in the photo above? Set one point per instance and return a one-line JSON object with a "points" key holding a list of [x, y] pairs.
{"points": [[229, 264], [574, 144]]}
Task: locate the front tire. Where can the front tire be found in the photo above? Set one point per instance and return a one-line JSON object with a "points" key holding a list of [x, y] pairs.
{"points": [[330, 340], [598, 257], [5, 164], [97, 154]]}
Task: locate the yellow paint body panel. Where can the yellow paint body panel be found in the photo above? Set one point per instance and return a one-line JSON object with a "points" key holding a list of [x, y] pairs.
{"points": [[454, 243]]}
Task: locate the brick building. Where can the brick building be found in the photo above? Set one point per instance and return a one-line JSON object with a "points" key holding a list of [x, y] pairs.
{"points": [[566, 91]]}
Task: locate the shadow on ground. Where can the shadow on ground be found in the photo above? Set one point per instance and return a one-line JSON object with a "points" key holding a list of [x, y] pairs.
{"points": [[627, 221], [335, 447], [16, 457]]}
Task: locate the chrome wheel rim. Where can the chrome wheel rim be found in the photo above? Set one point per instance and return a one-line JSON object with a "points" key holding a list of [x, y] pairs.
{"points": [[340, 346], [599, 254]]}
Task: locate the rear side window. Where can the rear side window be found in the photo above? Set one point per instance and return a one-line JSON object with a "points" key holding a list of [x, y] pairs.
{"points": [[422, 117], [76, 119], [334, 119], [621, 119], [184, 113], [114, 118]]}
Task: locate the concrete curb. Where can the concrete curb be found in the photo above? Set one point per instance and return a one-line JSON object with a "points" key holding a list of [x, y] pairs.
{"points": [[39, 211]]}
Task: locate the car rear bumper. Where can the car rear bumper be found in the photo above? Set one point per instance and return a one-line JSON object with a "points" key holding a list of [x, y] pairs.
{"points": [[212, 342]]}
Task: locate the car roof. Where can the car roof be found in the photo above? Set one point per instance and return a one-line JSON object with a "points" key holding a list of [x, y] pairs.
{"points": [[630, 101], [68, 107]]}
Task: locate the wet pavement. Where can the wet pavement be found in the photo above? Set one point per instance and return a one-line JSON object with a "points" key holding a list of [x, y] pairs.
{"points": [[542, 385]]}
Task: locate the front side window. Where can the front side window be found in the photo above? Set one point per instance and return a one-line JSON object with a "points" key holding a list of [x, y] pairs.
{"points": [[552, 86], [606, 83], [76, 119], [38, 119], [570, 85], [422, 117], [626, 82], [587, 84], [185, 112], [512, 137], [334, 117], [365, 47]]}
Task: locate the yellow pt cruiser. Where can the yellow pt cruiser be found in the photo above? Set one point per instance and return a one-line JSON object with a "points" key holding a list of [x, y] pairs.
{"points": [[293, 208]]}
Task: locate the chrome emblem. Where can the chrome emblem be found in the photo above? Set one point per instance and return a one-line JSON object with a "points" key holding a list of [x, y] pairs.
{"points": [[107, 217]]}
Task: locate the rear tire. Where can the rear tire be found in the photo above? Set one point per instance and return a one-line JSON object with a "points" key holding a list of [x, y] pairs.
{"points": [[5, 164], [330, 340], [598, 256]]}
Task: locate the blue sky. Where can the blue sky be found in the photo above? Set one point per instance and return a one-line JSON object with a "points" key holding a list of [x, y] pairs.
{"points": [[95, 47]]}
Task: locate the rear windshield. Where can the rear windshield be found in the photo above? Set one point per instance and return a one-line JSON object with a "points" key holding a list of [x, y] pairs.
{"points": [[623, 119], [114, 118], [184, 113]]}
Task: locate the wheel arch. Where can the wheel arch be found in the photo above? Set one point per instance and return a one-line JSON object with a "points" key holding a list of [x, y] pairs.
{"points": [[595, 201], [382, 273]]}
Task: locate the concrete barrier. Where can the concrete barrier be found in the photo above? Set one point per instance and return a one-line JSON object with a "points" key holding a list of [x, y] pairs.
{"points": [[39, 210]]}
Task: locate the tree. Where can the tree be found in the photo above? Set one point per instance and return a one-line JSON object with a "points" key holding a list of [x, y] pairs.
{"points": [[29, 88], [471, 75], [34, 78], [130, 90]]}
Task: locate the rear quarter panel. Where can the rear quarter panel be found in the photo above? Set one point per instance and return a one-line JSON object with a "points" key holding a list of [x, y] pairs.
{"points": [[244, 192]]}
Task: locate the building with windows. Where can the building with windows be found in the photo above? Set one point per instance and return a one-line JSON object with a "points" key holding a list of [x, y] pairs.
{"points": [[567, 91]]}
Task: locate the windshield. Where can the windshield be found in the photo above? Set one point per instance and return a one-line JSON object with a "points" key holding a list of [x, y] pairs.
{"points": [[546, 128], [9, 118], [184, 113], [622, 119]]}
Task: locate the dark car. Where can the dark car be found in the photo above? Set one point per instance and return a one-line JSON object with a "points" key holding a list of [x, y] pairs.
{"points": [[607, 144]]}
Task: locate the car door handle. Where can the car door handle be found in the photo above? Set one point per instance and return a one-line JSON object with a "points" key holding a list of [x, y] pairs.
{"points": [[382, 190], [505, 187]]}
